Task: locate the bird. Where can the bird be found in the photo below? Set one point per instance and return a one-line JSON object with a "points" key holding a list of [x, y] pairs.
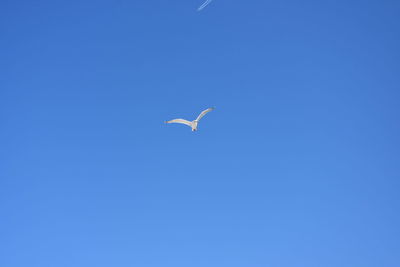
{"points": [[193, 124]]}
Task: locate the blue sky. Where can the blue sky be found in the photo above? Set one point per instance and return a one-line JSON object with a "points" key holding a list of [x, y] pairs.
{"points": [[299, 164]]}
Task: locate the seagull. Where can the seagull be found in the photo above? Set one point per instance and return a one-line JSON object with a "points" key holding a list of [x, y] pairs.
{"points": [[192, 124]]}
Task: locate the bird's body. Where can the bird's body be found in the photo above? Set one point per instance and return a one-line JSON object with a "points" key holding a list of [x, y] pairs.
{"points": [[192, 124]]}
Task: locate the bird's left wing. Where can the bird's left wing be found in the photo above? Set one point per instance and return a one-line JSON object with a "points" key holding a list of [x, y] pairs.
{"points": [[204, 113], [188, 123]]}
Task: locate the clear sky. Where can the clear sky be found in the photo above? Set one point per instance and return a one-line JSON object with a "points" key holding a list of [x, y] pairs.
{"points": [[298, 165]]}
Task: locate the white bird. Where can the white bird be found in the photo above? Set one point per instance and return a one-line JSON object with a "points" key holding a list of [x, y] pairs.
{"points": [[192, 124]]}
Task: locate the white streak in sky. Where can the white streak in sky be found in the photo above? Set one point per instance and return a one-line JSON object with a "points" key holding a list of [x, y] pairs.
{"points": [[204, 5]]}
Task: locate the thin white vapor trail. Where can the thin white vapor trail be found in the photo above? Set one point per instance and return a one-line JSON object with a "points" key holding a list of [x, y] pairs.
{"points": [[204, 5]]}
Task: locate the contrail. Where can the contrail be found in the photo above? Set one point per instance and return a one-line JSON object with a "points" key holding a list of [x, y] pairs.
{"points": [[204, 5]]}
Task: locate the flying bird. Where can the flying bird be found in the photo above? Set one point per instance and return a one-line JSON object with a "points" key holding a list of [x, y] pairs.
{"points": [[192, 124], [204, 5]]}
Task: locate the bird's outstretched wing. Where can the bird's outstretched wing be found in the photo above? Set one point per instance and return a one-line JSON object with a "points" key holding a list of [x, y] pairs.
{"points": [[188, 123], [203, 113], [204, 5]]}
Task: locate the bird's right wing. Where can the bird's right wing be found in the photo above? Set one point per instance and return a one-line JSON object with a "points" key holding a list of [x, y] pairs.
{"points": [[204, 5], [188, 123], [204, 112]]}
